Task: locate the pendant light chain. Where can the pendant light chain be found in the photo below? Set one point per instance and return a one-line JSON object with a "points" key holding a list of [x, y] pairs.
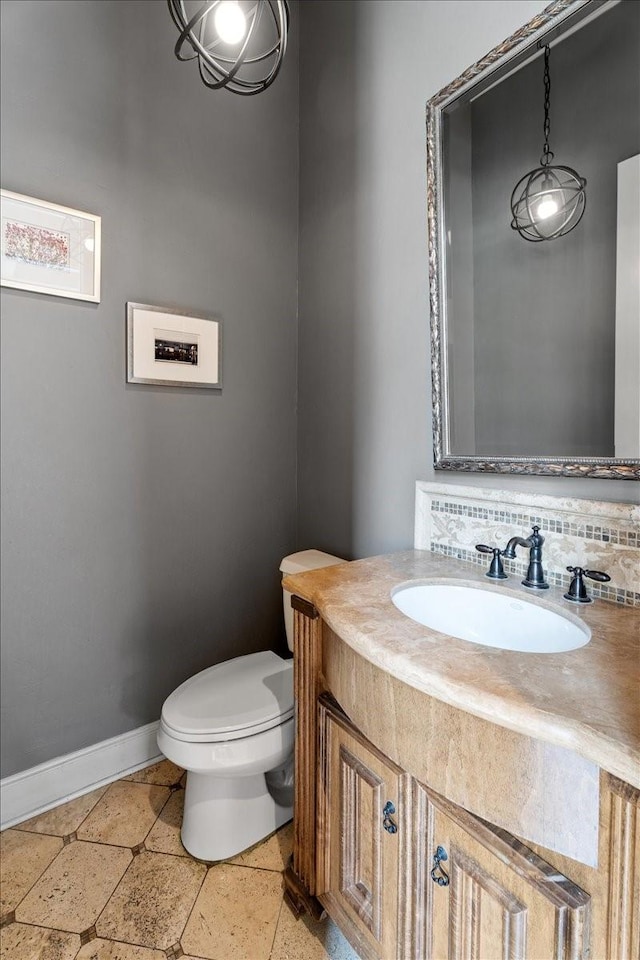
{"points": [[547, 152]]}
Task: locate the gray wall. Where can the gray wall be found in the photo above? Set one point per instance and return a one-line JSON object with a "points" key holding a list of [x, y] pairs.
{"points": [[364, 404], [142, 526]]}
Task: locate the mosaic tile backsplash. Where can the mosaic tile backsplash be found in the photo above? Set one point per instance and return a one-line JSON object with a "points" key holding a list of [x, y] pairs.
{"points": [[452, 519]]}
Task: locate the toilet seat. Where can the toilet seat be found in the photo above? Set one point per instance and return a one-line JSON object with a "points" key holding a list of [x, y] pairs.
{"points": [[231, 700]]}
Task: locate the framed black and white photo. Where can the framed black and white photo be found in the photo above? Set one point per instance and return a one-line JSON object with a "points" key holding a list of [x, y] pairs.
{"points": [[172, 348], [49, 249]]}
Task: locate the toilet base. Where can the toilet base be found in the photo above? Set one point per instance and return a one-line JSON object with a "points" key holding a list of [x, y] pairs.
{"points": [[223, 817]]}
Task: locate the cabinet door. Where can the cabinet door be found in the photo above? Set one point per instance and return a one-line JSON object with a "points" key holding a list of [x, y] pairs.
{"points": [[358, 843], [496, 899]]}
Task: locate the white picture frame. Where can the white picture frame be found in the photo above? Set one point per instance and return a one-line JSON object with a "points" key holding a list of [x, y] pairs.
{"points": [[170, 347], [50, 249]]}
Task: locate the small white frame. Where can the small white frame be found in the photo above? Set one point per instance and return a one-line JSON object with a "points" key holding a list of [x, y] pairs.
{"points": [[169, 347], [50, 249]]}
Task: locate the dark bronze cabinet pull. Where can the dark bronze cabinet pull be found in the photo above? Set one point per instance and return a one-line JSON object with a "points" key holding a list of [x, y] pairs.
{"points": [[443, 879], [387, 822]]}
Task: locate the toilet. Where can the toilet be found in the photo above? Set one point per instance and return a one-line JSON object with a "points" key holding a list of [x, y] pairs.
{"points": [[231, 728]]}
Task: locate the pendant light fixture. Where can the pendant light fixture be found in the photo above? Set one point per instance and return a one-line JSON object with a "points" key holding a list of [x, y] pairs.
{"points": [[239, 44], [549, 201]]}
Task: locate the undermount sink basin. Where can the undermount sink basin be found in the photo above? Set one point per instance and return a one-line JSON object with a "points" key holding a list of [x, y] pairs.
{"points": [[502, 620]]}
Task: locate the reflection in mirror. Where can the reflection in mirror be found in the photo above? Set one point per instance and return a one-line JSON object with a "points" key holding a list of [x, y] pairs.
{"points": [[537, 345]]}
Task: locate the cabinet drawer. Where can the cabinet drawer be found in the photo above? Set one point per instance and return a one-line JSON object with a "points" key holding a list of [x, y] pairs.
{"points": [[361, 806], [493, 898]]}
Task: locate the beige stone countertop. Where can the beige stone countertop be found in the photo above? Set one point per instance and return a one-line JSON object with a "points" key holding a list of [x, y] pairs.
{"points": [[587, 700]]}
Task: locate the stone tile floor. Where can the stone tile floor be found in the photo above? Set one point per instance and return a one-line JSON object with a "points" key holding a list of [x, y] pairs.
{"points": [[105, 877]]}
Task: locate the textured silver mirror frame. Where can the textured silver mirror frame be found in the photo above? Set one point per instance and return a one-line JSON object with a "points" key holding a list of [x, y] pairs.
{"points": [[599, 467]]}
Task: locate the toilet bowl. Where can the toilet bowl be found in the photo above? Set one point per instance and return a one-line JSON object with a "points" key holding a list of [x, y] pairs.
{"points": [[231, 728], [227, 727]]}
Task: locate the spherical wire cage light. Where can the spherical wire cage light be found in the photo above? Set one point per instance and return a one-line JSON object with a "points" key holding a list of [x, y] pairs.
{"points": [[239, 44], [549, 201], [559, 190]]}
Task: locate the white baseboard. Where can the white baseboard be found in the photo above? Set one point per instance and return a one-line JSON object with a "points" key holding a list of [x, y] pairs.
{"points": [[38, 789]]}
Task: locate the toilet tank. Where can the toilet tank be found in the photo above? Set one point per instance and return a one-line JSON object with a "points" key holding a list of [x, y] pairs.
{"points": [[298, 563]]}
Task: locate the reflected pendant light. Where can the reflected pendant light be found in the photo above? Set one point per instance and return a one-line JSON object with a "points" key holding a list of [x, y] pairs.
{"points": [[239, 45], [549, 201]]}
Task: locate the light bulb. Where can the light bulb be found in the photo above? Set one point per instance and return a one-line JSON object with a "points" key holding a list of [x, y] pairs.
{"points": [[230, 22], [547, 207]]}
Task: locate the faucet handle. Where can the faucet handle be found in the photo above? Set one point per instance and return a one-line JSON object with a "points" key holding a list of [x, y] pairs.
{"points": [[597, 575], [496, 570], [577, 592]]}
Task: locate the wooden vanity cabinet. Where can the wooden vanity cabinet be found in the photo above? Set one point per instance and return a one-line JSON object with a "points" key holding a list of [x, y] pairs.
{"points": [[504, 898], [492, 898]]}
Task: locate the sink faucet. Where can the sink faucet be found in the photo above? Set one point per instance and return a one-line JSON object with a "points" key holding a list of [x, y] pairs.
{"points": [[535, 573]]}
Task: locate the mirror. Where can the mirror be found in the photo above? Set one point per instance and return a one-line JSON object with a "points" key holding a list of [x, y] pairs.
{"points": [[536, 345]]}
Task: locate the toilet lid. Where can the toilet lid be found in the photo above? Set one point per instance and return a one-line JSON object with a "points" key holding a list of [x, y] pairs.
{"points": [[233, 699]]}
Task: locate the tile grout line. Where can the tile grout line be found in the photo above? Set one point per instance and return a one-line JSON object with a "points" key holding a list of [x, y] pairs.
{"points": [[38, 878], [146, 836], [277, 924], [193, 905], [120, 846], [108, 900], [43, 833]]}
